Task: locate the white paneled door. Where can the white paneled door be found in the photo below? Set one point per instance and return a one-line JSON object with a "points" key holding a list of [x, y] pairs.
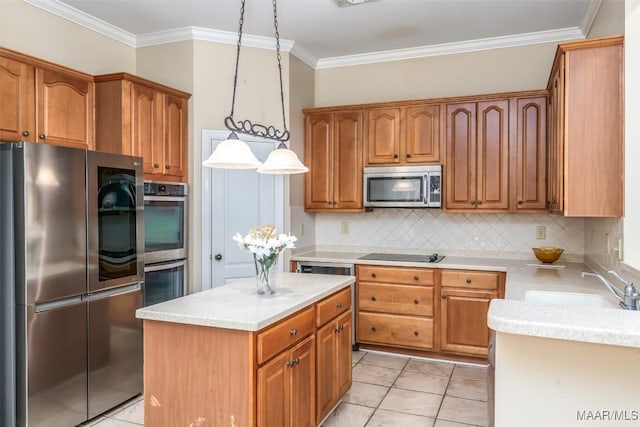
{"points": [[234, 201]]}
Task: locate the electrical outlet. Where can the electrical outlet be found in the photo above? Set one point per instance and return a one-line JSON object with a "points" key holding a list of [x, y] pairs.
{"points": [[301, 230], [608, 243], [345, 227], [541, 232]]}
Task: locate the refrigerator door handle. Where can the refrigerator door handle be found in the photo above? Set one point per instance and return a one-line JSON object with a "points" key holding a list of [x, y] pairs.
{"points": [[52, 305], [110, 292], [159, 267]]}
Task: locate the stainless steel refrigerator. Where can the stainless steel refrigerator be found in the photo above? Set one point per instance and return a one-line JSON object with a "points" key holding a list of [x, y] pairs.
{"points": [[71, 273]]}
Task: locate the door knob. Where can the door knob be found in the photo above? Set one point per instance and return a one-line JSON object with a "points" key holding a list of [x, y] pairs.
{"points": [[217, 257], [25, 133], [42, 136]]}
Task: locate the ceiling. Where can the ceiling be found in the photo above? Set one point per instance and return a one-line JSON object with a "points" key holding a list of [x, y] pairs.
{"points": [[323, 34]]}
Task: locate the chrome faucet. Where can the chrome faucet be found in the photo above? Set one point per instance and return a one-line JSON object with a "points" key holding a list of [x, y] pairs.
{"points": [[627, 298]]}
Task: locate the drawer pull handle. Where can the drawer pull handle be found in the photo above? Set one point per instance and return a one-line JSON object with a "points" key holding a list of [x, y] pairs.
{"points": [[416, 301], [25, 133], [373, 298], [293, 332], [373, 329], [416, 278], [156, 165], [373, 275], [468, 280], [167, 167], [339, 305], [416, 333], [444, 297]]}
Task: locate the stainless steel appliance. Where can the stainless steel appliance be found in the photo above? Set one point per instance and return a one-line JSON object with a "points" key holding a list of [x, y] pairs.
{"points": [[341, 269], [430, 258], [164, 281], [403, 186], [165, 224], [71, 270], [165, 213]]}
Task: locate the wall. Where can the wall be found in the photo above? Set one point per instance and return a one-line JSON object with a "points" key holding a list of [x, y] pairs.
{"points": [[432, 230], [301, 95], [544, 382], [487, 71], [30, 30], [257, 98]]}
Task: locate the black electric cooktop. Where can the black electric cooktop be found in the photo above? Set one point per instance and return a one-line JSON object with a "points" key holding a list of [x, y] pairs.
{"points": [[432, 258]]}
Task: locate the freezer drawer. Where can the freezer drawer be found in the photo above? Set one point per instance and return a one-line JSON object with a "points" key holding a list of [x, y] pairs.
{"points": [[115, 348], [56, 365]]}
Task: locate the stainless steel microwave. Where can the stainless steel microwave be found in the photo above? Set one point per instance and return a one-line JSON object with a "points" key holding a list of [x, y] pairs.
{"points": [[403, 186]]}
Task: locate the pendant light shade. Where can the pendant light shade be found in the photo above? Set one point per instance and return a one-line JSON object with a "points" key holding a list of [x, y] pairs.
{"points": [[282, 161], [235, 154], [232, 153]]}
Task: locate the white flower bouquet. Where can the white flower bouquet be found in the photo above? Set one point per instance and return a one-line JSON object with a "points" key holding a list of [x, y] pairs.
{"points": [[266, 245]]}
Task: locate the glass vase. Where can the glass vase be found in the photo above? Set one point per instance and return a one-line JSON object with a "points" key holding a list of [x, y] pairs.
{"points": [[266, 274]]}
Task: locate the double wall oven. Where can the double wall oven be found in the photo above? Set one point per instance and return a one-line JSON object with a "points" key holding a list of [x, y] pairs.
{"points": [[165, 227]]}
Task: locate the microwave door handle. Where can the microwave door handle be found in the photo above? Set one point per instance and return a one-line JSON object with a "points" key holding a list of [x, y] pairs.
{"points": [[426, 190]]}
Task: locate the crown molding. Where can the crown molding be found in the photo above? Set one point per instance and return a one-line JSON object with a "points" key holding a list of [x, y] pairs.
{"points": [[304, 55], [207, 34], [564, 34], [590, 16], [74, 15]]}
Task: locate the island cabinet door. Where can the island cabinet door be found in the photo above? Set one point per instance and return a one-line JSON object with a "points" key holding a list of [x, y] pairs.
{"points": [[286, 388], [334, 363]]}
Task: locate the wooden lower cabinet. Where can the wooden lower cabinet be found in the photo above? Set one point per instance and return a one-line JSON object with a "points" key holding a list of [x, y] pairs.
{"points": [[333, 368], [289, 374], [286, 388], [425, 310], [395, 330], [463, 321]]}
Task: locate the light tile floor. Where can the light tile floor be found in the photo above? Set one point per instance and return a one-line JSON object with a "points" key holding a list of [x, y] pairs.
{"points": [[387, 391]]}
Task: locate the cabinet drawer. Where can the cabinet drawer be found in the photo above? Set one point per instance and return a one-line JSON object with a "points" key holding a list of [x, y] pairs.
{"points": [[409, 276], [278, 337], [333, 306], [395, 330], [470, 279], [400, 299]]}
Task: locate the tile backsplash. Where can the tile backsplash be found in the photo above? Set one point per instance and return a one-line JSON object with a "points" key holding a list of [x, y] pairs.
{"points": [[493, 235]]}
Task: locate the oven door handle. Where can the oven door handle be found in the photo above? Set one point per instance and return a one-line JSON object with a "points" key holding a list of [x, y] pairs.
{"points": [[165, 266], [165, 198]]}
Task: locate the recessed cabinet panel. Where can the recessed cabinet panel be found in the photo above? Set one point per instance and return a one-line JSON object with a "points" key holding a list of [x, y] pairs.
{"points": [[176, 124], [530, 154], [348, 151], [492, 155], [461, 155], [318, 157], [147, 129], [17, 101], [383, 136], [422, 134]]}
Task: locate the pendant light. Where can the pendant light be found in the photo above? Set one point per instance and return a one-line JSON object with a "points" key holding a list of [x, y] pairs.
{"points": [[236, 154]]}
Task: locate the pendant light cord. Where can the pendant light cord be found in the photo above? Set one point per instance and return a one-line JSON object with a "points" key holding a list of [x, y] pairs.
{"points": [[246, 126]]}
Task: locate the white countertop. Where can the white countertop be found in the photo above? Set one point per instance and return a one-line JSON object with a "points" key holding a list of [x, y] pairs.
{"points": [[514, 315], [238, 306]]}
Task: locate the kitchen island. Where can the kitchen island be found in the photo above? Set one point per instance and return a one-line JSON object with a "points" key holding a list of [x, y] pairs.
{"points": [[229, 357]]}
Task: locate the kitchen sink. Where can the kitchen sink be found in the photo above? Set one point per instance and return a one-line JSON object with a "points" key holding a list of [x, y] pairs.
{"points": [[573, 299]]}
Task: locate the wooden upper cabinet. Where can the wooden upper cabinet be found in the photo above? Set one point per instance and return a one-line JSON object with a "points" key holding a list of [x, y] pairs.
{"points": [[333, 151], [44, 102], [17, 101], [176, 129], [530, 153], [421, 134], [477, 155], [383, 136], [586, 87], [461, 156], [403, 135], [555, 155], [142, 118], [146, 127]]}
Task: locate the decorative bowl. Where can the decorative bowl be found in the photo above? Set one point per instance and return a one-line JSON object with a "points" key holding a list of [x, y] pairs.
{"points": [[548, 254]]}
